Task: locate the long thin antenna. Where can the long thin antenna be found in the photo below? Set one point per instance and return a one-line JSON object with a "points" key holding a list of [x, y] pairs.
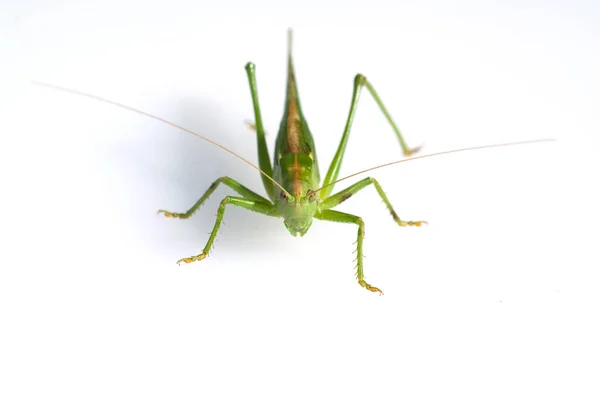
{"points": [[473, 148], [71, 91]]}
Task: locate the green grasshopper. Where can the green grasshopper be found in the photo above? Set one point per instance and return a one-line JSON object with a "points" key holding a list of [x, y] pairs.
{"points": [[292, 182]]}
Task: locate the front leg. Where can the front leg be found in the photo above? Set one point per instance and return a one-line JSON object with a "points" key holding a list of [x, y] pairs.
{"points": [[337, 216], [347, 193], [249, 204], [230, 182]]}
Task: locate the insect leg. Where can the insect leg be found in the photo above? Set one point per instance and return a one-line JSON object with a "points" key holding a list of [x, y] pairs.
{"points": [[263, 152], [249, 204], [252, 126], [236, 186], [334, 169], [336, 216], [345, 194]]}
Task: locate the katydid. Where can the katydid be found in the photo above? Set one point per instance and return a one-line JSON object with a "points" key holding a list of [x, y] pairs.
{"points": [[292, 182], [295, 198]]}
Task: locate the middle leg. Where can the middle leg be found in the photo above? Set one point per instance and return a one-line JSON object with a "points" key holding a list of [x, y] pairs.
{"points": [[347, 193], [231, 183]]}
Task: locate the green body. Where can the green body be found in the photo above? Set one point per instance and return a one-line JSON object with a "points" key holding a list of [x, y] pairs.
{"points": [[292, 182], [295, 165]]}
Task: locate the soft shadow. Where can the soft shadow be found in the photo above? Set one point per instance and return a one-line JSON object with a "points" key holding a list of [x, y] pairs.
{"points": [[181, 169]]}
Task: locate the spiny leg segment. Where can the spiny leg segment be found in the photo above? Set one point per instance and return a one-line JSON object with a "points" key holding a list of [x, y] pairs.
{"points": [[236, 186], [329, 202], [345, 194], [248, 204], [337, 216], [334, 169], [251, 201]]}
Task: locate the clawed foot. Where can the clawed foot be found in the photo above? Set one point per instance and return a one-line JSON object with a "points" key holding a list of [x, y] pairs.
{"points": [[188, 260], [171, 215], [252, 126], [406, 223], [411, 223], [369, 287], [411, 151]]}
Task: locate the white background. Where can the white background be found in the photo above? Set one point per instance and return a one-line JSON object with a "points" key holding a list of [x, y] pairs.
{"points": [[497, 297]]}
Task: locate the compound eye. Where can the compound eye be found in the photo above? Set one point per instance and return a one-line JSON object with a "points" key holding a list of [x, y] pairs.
{"points": [[285, 197], [311, 195]]}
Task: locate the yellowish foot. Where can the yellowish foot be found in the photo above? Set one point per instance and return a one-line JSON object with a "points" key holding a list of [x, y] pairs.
{"points": [[171, 215], [369, 287], [412, 151], [188, 260], [252, 126], [411, 223]]}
